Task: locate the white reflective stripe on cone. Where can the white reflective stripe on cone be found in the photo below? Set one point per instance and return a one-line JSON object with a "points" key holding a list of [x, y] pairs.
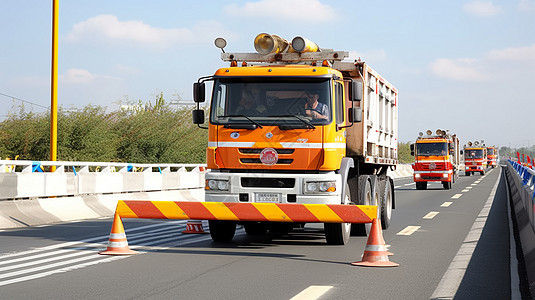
{"points": [[116, 236], [117, 244], [375, 248]]}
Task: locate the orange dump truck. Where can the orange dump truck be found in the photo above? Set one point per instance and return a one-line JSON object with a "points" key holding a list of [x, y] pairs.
{"points": [[492, 155], [436, 159], [294, 123], [475, 158]]}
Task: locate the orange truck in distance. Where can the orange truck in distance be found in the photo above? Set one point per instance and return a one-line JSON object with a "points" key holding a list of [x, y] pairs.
{"points": [[436, 158], [294, 123], [492, 157], [475, 158]]}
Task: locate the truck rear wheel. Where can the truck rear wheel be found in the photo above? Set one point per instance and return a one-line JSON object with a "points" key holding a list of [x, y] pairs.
{"points": [[222, 231], [446, 185], [385, 197], [365, 197], [339, 233], [467, 173]]}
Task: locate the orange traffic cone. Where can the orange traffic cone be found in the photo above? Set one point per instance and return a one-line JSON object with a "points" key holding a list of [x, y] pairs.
{"points": [[194, 227], [117, 244], [375, 254]]}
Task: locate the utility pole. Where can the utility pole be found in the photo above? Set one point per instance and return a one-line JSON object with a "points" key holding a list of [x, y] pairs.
{"points": [[54, 86]]}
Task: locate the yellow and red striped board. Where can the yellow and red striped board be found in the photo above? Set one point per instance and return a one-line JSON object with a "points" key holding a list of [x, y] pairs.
{"points": [[274, 212]]}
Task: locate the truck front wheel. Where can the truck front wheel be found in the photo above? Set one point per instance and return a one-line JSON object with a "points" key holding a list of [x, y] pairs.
{"points": [[339, 233], [446, 185], [222, 231], [422, 185]]}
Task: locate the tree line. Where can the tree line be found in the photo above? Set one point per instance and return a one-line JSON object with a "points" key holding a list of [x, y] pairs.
{"points": [[143, 133]]}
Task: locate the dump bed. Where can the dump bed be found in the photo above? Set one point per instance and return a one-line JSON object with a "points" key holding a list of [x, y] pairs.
{"points": [[375, 139]]}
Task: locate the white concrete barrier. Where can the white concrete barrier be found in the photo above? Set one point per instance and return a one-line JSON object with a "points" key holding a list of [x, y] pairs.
{"points": [[85, 190]]}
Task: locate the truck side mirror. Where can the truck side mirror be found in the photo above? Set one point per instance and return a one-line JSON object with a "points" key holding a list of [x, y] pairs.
{"points": [[198, 116], [356, 91], [412, 149], [462, 152], [355, 114], [198, 92]]}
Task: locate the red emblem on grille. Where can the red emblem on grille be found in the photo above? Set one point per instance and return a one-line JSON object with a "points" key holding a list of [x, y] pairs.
{"points": [[269, 156]]}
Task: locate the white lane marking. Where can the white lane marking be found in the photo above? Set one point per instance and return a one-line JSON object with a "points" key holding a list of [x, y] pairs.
{"points": [[397, 186], [465, 190], [98, 238], [409, 230], [409, 183], [312, 292], [446, 204], [448, 286], [173, 236], [469, 187], [473, 184], [477, 181], [431, 215], [456, 196]]}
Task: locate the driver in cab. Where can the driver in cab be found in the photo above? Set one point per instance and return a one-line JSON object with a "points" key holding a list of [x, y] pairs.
{"points": [[315, 109]]}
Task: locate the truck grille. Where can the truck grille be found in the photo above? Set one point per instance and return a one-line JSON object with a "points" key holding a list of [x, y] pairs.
{"points": [[284, 161], [258, 150], [268, 182]]}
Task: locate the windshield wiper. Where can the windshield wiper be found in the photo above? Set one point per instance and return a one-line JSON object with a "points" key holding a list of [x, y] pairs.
{"points": [[307, 123], [244, 116]]}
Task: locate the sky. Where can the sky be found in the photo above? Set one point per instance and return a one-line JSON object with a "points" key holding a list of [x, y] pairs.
{"points": [[463, 66]]}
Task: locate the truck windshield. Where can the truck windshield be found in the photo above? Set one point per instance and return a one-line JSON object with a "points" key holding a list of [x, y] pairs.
{"points": [[473, 153], [431, 149], [281, 101], [490, 151]]}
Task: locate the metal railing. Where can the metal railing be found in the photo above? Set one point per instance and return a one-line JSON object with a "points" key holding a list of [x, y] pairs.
{"points": [[28, 179], [525, 183]]}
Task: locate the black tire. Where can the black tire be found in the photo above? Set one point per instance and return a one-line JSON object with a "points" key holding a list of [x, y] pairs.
{"points": [[255, 228], [467, 173], [446, 185], [365, 197], [421, 185], [482, 173], [222, 231], [339, 233], [386, 200]]}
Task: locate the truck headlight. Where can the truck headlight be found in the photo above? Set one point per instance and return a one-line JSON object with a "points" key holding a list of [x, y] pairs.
{"points": [[217, 185], [320, 187]]}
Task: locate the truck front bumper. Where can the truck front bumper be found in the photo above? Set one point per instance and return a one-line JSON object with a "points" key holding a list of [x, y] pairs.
{"points": [[272, 188], [436, 175]]}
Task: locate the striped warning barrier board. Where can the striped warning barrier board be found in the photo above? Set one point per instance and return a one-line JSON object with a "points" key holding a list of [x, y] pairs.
{"points": [[274, 212]]}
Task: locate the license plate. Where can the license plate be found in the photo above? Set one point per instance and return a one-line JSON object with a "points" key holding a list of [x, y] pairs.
{"points": [[267, 197]]}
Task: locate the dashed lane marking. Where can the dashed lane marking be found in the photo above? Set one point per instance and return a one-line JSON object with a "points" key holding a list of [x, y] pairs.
{"points": [[446, 204], [312, 292], [409, 230], [431, 215], [456, 196], [410, 184], [465, 190], [473, 184]]}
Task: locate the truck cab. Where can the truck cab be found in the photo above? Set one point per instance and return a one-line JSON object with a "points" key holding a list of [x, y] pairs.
{"points": [[436, 159], [475, 158]]}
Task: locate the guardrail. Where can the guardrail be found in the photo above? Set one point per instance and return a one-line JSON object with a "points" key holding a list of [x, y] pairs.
{"points": [[31, 179], [525, 184], [521, 183]]}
